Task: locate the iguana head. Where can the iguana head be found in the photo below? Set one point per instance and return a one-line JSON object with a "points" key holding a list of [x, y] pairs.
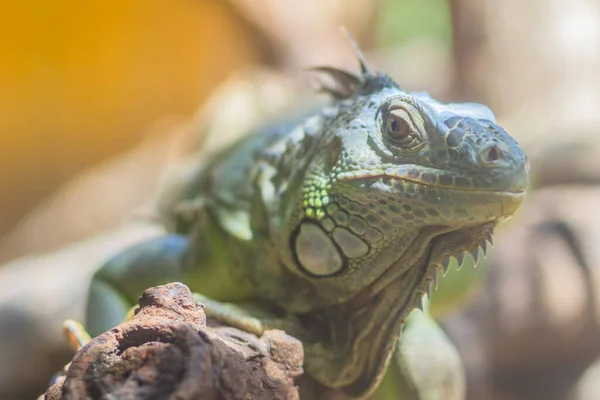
{"points": [[396, 183]]}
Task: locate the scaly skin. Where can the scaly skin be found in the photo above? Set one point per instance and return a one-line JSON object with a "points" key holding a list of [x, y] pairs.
{"points": [[338, 225]]}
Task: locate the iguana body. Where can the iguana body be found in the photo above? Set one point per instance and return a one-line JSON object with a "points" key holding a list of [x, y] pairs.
{"points": [[334, 227]]}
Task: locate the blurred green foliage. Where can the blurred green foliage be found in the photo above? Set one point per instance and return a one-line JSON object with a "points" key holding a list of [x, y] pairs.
{"points": [[401, 20]]}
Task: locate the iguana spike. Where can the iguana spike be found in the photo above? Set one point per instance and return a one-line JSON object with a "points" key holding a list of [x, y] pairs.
{"points": [[419, 301], [340, 75], [475, 254], [459, 259], [489, 238], [364, 69], [483, 245], [445, 265], [344, 82]]}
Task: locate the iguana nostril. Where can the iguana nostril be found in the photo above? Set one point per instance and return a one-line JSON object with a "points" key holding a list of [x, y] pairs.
{"points": [[492, 154]]}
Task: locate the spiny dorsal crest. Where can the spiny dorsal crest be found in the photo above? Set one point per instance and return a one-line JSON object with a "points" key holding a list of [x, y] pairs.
{"points": [[345, 84]]}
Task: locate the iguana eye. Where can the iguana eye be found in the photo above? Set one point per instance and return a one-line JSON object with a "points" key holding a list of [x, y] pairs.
{"points": [[399, 131]]}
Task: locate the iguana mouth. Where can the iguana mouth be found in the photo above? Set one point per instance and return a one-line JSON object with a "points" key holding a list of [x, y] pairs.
{"points": [[434, 178], [370, 323]]}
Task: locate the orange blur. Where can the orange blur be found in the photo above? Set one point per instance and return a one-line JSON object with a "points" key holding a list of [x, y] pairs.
{"points": [[82, 80]]}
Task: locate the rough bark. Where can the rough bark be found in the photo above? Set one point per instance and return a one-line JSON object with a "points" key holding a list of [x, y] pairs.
{"points": [[167, 351]]}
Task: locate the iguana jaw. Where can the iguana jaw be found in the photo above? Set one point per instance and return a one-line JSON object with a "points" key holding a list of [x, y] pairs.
{"points": [[364, 330], [433, 177]]}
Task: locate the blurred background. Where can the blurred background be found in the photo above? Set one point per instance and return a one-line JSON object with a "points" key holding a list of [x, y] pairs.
{"points": [[98, 99]]}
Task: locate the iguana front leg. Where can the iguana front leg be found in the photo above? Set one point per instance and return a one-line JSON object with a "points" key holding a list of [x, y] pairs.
{"points": [[249, 317], [118, 283]]}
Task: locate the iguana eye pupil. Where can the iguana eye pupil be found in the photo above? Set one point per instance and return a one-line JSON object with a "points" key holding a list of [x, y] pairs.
{"points": [[397, 127], [398, 131]]}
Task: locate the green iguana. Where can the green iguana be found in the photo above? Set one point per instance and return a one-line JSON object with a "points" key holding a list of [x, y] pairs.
{"points": [[332, 229]]}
